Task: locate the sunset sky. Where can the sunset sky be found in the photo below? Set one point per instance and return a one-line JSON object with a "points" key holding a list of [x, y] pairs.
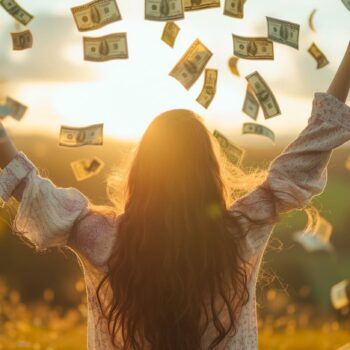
{"points": [[61, 88]]}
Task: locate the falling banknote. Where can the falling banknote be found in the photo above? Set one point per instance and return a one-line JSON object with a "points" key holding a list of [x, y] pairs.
{"points": [[346, 3], [16, 11], [340, 294], [232, 64], [76, 137], [283, 32], [318, 55], [170, 33], [234, 8], [257, 129], [95, 14], [17, 109], [193, 5], [86, 168], [105, 48], [251, 105], [164, 10], [234, 153], [22, 40], [252, 48], [209, 89], [191, 65], [264, 95]]}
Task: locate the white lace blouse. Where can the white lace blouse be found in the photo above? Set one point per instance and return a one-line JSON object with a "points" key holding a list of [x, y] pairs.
{"points": [[55, 217]]}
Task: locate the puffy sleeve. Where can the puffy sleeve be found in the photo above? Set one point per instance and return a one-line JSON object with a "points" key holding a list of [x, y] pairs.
{"points": [[46, 213], [300, 172]]}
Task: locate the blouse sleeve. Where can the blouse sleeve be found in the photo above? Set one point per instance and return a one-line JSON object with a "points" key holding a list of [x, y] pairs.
{"points": [[299, 173], [46, 213]]}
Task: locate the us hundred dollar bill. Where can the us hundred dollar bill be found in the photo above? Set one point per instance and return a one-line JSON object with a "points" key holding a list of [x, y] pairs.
{"points": [[264, 95], [193, 5], [85, 168], [16, 11], [340, 294], [251, 105], [17, 109], [22, 40], [346, 3], [257, 129], [234, 8], [95, 14], [191, 65], [318, 55], [164, 10], [76, 137], [283, 32], [234, 153], [253, 48], [170, 33], [105, 48], [209, 89]]}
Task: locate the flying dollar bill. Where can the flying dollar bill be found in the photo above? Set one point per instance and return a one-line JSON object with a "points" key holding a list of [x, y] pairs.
{"points": [[257, 129], [22, 40], [4, 111], [191, 65], [105, 48], [346, 4], [16, 11], [340, 294], [193, 5], [283, 32], [232, 64], [234, 153], [164, 10], [252, 48], [234, 8], [95, 14], [76, 137], [17, 109], [264, 95], [318, 55], [170, 33], [251, 105], [209, 89], [85, 168], [311, 20]]}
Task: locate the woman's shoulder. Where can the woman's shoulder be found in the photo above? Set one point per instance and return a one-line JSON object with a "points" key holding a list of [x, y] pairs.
{"points": [[94, 235]]}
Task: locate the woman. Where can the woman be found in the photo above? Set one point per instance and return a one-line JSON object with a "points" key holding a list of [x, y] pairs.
{"points": [[177, 268]]}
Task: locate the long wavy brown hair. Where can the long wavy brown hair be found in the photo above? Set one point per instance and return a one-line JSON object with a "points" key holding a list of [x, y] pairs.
{"points": [[178, 250]]}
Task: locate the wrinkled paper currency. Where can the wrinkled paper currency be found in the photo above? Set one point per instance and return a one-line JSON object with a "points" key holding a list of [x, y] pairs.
{"points": [[191, 65], [81, 136], [209, 89], [16, 11], [234, 153], [251, 105], [257, 129], [253, 48], [17, 109], [234, 8], [164, 10], [22, 40], [318, 55], [283, 32], [105, 48], [264, 95], [193, 5], [85, 168], [95, 14], [170, 33]]}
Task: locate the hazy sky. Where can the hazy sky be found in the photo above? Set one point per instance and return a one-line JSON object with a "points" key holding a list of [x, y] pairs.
{"points": [[60, 88]]}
